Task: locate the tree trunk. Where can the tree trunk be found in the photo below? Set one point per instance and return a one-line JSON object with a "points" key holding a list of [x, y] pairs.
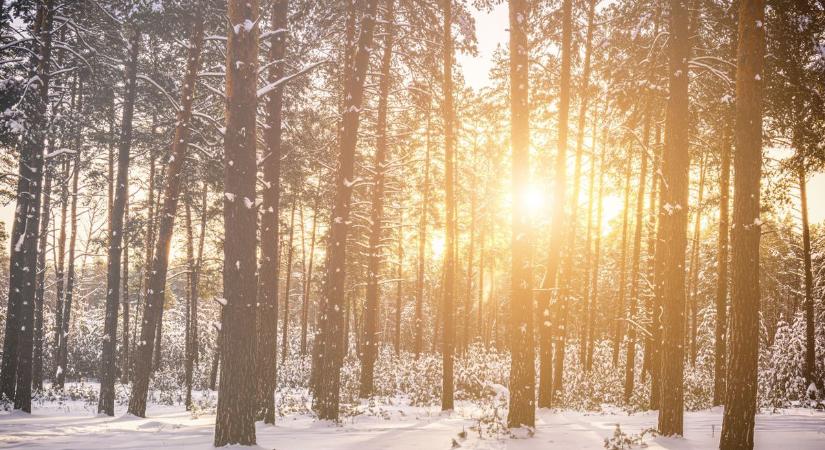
{"points": [[522, 410], [693, 286], [567, 276], [448, 293], [558, 224], [108, 366], [619, 314], [720, 347], [399, 299], [597, 248], [288, 274], [810, 341], [371, 306], [740, 397], [418, 324], [235, 421], [37, 352], [267, 327], [63, 350], [125, 363], [329, 342], [308, 277], [15, 371], [673, 225], [630, 363], [190, 343], [156, 289]]}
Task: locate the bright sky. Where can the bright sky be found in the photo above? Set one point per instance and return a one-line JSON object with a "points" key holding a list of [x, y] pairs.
{"points": [[491, 29]]}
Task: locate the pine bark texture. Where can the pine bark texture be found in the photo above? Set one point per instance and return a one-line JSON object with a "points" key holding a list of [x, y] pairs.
{"points": [[16, 366], [557, 226], [673, 225], [235, 421], [369, 349], [108, 360], [156, 289], [329, 342], [522, 411], [449, 290], [740, 397]]}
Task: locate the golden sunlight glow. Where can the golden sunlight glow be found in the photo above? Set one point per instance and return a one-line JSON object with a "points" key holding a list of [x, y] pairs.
{"points": [[437, 244], [534, 200], [612, 206]]}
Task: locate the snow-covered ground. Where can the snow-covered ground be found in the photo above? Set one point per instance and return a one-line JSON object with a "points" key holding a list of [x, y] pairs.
{"points": [[74, 425]]}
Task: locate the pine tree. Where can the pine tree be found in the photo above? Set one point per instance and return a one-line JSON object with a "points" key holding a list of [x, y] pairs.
{"points": [[740, 397], [522, 410], [235, 421]]}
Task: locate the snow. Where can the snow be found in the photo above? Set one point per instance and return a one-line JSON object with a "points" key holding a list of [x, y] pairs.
{"points": [[381, 425]]}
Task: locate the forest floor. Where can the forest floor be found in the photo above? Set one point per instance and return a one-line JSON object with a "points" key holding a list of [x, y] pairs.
{"points": [[73, 424]]}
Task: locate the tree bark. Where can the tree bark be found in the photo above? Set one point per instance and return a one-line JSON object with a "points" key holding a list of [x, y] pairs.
{"points": [[329, 341], [740, 397], [108, 365], [810, 340], [16, 366], [371, 307], [418, 324], [267, 327], [288, 274], [235, 421], [37, 352], [558, 224], [125, 363], [308, 277], [695, 261], [673, 225], [156, 289], [449, 294], [630, 362], [619, 314], [522, 410], [720, 346]]}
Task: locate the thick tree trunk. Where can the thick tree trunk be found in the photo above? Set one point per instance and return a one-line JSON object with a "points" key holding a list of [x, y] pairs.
{"points": [[235, 421], [108, 365], [740, 397], [557, 227], [156, 289], [16, 366], [522, 410], [673, 225], [371, 306], [329, 341], [449, 289], [267, 327]]}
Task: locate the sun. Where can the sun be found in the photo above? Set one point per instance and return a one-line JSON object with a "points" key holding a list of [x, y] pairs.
{"points": [[534, 200]]}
